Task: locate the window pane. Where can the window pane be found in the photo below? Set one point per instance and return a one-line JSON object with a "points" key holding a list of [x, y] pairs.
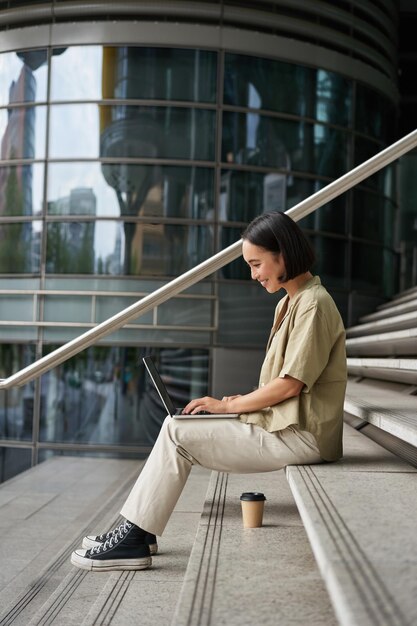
{"points": [[88, 130], [184, 312], [331, 99], [259, 140], [21, 189], [246, 314], [114, 189], [23, 76], [20, 247], [22, 132], [95, 72], [367, 268], [248, 80], [16, 404], [373, 217], [331, 261], [372, 112], [104, 395], [13, 461], [125, 248], [244, 195], [299, 90], [17, 308], [67, 309]]}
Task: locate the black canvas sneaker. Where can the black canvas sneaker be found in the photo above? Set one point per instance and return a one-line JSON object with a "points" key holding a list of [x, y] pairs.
{"points": [[124, 550], [92, 541]]}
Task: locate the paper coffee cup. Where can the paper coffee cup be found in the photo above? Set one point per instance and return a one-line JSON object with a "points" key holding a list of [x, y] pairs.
{"points": [[252, 503]]}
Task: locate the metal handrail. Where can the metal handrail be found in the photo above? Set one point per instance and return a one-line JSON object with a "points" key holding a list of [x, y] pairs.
{"points": [[204, 269]]}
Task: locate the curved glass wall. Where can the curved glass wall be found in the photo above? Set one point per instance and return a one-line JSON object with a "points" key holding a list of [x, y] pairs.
{"points": [[122, 167]]}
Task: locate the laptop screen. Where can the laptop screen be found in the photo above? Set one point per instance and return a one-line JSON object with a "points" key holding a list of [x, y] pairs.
{"points": [[160, 387]]}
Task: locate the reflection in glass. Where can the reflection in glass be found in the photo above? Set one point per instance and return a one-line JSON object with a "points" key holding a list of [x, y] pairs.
{"points": [[23, 132], [248, 80], [139, 190], [21, 189], [125, 248], [70, 247], [23, 76], [20, 247], [96, 72], [89, 130], [104, 395], [299, 90], [244, 195], [16, 404], [259, 140]]}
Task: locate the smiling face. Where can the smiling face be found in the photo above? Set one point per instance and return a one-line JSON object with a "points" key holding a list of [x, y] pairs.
{"points": [[266, 267]]}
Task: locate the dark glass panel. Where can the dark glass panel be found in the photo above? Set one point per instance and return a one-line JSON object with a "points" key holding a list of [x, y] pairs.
{"points": [[23, 76], [125, 248], [330, 261], [373, 113], [373, 217], [364, 150], [367, 268], [104, 395], [21, 189], [246, 314], [23, 133], [89, 130], [96, 72], [13, 461], [115, 189], [248, 81], [16, 404], [20, 247], [259, 140], [287, 88]]}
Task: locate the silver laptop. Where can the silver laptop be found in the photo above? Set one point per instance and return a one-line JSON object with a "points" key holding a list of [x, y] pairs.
{"points": [[167, 402]]}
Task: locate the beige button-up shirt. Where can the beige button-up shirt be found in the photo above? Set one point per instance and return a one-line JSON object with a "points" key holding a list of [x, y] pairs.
{"points": [[307, 342]]}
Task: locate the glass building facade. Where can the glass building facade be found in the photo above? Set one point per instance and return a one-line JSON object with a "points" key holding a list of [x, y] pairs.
{"points": [[121, 167]]}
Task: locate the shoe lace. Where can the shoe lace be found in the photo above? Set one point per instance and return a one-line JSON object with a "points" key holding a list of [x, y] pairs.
{"points": [[117, 535], [125, 525]]}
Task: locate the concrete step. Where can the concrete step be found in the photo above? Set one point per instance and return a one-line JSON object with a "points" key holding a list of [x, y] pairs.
{"points": [[391, 409], [390, 311], [395, 370], [404, 296], [264, 575], [45, 512], [394, 323], [359, 515], [395, 343]]}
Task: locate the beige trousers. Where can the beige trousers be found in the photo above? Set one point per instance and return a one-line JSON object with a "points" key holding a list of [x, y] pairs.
{"points": [[224, 445]]}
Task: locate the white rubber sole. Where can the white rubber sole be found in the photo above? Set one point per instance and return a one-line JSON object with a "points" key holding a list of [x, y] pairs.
{"points": [[80, 561], [89, 543]]}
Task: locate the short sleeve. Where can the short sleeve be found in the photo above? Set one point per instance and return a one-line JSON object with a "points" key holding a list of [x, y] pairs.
{"points": [[308, 347]]}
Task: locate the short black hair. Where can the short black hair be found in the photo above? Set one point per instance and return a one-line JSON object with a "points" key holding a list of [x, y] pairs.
{"points": [[278, 233]]}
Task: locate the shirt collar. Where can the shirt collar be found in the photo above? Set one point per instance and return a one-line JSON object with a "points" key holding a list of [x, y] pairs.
{"points": [[312, 282]]}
